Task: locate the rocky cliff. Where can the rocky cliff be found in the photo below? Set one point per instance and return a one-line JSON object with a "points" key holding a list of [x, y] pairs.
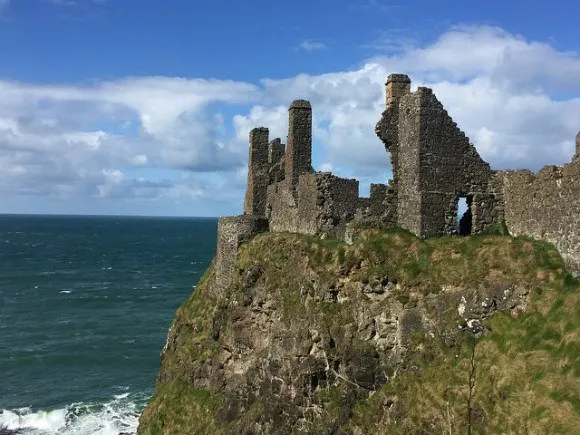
{"points": [[390, 334]]}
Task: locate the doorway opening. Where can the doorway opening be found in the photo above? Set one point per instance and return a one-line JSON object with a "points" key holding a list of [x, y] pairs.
{"points": [[464, 216]]}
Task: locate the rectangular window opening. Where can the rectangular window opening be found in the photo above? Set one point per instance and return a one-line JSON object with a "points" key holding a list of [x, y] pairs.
{"points": [[464, 216]]}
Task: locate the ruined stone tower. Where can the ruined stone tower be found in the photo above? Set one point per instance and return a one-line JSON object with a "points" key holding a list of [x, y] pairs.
{"points": [[298, 158], [397, 86], [255, 200]]}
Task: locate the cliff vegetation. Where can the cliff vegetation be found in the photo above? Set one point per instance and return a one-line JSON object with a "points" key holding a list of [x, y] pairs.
{"points": [[390, 334]]}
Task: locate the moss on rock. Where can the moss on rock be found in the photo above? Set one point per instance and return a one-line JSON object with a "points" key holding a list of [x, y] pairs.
{"points": [[391, 334]]}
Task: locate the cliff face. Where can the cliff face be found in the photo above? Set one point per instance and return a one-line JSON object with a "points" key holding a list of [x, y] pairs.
{"points": [[391, 334]]}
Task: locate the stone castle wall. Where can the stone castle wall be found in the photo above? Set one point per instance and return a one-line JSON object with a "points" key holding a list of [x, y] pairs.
{"points": [[387, 129], [437, 165], [321, 203], [433, 163], [298, 157], [232, 232], [284, 188], [258, 173], [546, 206], [409, 200]]}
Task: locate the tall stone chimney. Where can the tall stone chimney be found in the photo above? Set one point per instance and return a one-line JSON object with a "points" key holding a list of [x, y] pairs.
{"points": [[298, 157], [255, 200], [398, 85], [387, 129]]}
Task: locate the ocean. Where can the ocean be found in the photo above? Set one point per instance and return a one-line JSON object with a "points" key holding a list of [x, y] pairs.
{"points": [[85, 306]]}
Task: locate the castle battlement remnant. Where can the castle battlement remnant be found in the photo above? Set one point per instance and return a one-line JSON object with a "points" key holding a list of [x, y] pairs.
{"points": [[298, 156], [258, 166], [434, 165]]}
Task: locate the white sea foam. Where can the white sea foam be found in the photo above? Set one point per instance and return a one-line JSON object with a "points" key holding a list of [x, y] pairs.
{"points": [[66, 292], [120, 415]]}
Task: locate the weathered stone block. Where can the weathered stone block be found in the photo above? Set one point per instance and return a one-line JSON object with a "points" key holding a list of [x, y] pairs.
{"points": [[232, 232]]}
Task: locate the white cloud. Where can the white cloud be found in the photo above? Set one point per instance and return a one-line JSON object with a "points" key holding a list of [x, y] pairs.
{"points": [[468, 52], [89, 140], [496, 85], [310, 45], [49, 144], [159, 101], [140, 160], [274, 118]]}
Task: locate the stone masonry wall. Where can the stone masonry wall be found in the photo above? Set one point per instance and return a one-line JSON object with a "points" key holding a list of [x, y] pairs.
{"points": [[298, 157], [437, 165], [380, 207], [449, 167], [297, 199], [276, 151], [310, 203], [433, 163], [282, 208], [340, 197], [379, 210], [276, 171], [449, 162], [320, 204], [397, 86], [546, 206], [258, 177], [408, 186], [232, 232]]}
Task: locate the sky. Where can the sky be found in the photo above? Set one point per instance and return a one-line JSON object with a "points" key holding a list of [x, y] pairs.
{"points": [[143, 107]]}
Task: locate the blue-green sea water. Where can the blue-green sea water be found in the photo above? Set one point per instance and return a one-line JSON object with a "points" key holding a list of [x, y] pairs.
{"points": [[85, 306]]}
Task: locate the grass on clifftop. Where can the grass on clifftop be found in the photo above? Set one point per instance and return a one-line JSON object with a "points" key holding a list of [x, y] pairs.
{"points": [[521, 377], [524, 373]]}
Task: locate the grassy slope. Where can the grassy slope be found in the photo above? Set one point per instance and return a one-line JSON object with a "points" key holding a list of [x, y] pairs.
{"points": [[525, 370]]}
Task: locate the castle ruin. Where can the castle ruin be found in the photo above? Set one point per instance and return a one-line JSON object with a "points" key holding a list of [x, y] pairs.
{"points": [[433, 166]]}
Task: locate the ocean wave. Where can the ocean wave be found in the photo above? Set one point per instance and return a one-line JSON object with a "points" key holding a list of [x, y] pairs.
{"points": [[118, 416]]}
